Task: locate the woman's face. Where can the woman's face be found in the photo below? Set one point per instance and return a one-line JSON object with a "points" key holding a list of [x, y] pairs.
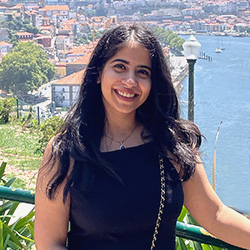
{"points": [[126, 79]]}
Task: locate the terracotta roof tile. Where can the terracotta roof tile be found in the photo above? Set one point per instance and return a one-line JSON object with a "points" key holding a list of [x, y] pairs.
{"points": [[55, 7], [73, 79], [3, 43], [83, 59], [77, 50]]}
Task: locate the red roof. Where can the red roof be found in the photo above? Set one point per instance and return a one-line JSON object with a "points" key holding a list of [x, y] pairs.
{"points": [[3, 43], [55, 7], [73, 79], [83, 59]]}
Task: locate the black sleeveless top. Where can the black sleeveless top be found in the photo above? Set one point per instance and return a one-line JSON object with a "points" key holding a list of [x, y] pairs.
{"points": [[117, 215]]}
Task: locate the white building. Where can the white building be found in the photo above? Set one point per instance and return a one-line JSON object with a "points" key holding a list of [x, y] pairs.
{"points": [[5, 47], [65, 91]]}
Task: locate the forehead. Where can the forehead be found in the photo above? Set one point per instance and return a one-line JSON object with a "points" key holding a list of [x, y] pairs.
{"points": [[133, 53]]}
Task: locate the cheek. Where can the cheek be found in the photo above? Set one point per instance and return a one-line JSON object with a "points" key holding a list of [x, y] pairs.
{"points": [[147, 88], [107, 78], [105, 90]]}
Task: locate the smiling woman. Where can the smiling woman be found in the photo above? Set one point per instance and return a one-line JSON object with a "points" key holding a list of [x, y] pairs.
{"points": [[124, 162]]}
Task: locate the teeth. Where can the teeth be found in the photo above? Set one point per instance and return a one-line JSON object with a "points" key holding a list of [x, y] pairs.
{"points": [[125, 94]]}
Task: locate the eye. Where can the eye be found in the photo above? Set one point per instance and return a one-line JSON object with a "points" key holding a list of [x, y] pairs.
{"points": [[119, 66], [143, 73]]}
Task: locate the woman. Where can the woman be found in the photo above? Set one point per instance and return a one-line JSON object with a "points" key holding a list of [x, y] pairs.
{"points": [[124, 162]]}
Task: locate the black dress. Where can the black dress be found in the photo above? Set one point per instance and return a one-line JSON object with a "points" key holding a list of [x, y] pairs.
{"points": [[122, 216]]}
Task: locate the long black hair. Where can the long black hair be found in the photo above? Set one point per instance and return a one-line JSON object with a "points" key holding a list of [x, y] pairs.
{"points": [[81, 134]]}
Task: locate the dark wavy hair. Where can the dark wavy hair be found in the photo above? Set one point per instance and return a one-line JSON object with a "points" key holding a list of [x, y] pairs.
{"points": [[81, 134]]}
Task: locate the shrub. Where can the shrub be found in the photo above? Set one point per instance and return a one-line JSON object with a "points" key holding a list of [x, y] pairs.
{"points": [[6, 107], [48, 129]]}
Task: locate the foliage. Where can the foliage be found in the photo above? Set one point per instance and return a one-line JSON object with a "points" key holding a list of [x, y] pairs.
{"points": [[48, 129], [13, 24], [167, 37], [25, 68], [20, 233], [6, 107]]}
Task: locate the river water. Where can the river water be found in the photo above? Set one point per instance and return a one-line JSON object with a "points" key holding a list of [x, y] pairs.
{"points": [[222, 93]]}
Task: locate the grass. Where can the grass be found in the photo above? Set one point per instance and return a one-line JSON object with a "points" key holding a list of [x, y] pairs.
{"points": [[14, 139], [23, 164]]}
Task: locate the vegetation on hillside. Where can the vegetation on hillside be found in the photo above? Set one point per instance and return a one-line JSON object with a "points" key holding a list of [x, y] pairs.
{"points": [[14, 25], [168, 38]]}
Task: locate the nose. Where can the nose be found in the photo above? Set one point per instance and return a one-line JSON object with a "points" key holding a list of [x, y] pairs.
{"points": [[130, 80]]}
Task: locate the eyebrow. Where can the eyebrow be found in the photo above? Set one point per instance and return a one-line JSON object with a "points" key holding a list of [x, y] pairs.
{"points": [[124, 61]]}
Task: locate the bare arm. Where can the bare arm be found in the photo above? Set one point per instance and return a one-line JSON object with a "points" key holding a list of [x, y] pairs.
{"points": [[208, 210], [51, 216]]}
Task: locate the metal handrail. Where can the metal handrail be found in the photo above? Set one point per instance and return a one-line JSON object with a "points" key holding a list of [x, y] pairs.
{"points": [[183, 230], [16, 194]]}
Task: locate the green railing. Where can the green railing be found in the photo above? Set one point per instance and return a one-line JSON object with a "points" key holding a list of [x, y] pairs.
{"points": [[183, 230]]}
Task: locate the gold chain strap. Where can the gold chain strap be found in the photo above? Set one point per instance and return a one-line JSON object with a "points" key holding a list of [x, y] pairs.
{"points": [[162, 201]]}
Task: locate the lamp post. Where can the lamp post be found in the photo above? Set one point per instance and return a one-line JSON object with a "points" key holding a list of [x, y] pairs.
{"points": [[191, 52]]}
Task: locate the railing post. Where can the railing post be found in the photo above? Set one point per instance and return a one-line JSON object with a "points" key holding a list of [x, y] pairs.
{"points": [[191, 63], [17, 111], [38, 115]]}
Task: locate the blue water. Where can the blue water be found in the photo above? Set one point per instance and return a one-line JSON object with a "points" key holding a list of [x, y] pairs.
{"points": [[222, 93]]}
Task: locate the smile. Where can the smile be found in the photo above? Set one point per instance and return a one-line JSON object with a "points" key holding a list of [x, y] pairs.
{"points": [[127, 95]]}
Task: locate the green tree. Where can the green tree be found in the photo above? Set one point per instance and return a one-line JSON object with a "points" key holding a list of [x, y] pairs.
{"points": [[31, 29], [174, 42], [25, 69], [167, 37]]}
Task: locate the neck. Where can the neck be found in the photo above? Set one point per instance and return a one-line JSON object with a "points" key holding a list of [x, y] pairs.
{"points": [[120, 126], [119, 131]]}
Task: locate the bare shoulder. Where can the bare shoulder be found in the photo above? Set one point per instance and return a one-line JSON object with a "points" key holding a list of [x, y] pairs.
{"points": [[50, 166]]}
